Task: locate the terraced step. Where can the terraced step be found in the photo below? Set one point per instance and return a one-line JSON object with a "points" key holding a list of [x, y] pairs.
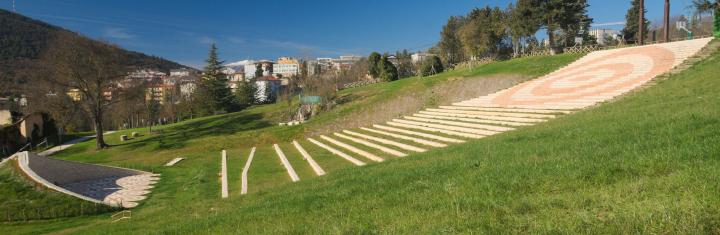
{"points": [[353, 149], [421, 134], [223, 175], [447, 127], [495, 109], [451, 113], [244, 176], [386, 141], [404, 137], [500, 114], [318, 170], [291, 172], [471, 120], [463, 124], [336, 152], [431, 129], [372, 145]]}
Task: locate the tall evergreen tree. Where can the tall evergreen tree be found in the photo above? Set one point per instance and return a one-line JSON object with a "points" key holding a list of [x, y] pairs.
{"points": [[632, 18], [245, 94], [388, 71], [374, 64], [213, 93]]}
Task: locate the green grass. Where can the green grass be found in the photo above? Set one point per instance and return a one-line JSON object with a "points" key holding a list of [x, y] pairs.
{"points": [[647, 163]]}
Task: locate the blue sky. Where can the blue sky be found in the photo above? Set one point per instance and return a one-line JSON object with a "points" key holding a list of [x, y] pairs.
{"points": [[182, 30]]}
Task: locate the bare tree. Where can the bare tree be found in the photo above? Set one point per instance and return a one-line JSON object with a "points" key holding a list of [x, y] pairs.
{"points": [[90, 71]]}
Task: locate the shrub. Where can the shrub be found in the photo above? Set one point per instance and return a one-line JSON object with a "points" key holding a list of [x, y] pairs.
{"points": [[431, 66]]}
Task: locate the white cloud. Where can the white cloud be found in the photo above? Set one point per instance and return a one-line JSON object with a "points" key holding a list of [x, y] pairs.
{"points": [[236, 40], [207, 40], [118, 33]]}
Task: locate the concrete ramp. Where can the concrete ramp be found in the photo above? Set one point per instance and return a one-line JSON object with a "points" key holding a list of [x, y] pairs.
{"points": [[108, 185]]}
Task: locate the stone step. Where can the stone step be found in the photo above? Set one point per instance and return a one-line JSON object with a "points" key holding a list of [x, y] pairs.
{"points": [[496, 114], [478, 108], [405, 137], [472, 120], [462, 124], [372, 145], [318, 170], [336, 152], [223, 175], [291, 172], [485, 117], [387, 142], [244, 184], [455, 133], [353, 149], [174, 161], [421, 134], [447, 127]]}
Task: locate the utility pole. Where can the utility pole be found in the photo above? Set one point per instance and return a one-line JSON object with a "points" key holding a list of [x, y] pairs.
{"points": [[666, 22], [641, 23]]}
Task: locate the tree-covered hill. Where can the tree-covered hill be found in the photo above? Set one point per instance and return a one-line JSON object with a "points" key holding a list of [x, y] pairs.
{"points": [[23, 40]]}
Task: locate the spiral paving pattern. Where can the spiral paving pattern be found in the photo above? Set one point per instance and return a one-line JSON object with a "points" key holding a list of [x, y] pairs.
{"points": [[597, 77]]}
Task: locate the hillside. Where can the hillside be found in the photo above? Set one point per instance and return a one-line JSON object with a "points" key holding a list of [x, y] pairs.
{"points": [[644, 163], [23, 40]]}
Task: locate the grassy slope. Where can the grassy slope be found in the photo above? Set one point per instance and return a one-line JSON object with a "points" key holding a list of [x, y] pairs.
{"points": [[647, 163], [192, 186]]}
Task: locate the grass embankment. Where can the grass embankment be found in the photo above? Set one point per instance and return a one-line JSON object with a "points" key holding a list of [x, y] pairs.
{"points": [[647, 163], [21, 201]]}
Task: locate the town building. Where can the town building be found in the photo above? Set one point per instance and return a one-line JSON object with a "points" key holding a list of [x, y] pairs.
{"points": [[287, 67], [420, 57], [183, 72], [603, 34]]}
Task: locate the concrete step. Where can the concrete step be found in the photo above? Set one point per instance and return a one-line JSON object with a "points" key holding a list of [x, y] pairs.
{"points": [[496, 114], [386, 141], [306, 156], [421, 134], [430, 129], [462, 124], [372, 145], [485, 117], [447, 127], [472, 120], [405, 137], [291, 172], [479, 108], [353, 149], [337, 152], [244, 184]]}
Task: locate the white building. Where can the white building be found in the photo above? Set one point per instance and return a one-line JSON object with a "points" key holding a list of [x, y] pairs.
{"points": [[287, 67], [267, 89], [420, 57], [602, 34], [180, 72]]}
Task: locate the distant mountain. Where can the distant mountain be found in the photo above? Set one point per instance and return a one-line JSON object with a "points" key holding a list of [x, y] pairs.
{"points": [[23, 40]]}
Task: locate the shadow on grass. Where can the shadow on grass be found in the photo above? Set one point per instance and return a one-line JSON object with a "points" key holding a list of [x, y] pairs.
{"points": [[177, 136]]}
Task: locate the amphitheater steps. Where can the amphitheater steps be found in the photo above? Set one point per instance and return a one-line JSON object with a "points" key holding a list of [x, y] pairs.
{"points": [[473, 120], [306, 156], [223, 175], [244, 175], [405, 137], [283, 159], [386, 141], [421, 134], [495, 129], [456, 129], [471, 114], [510, 110], [353, 149], [337, 152], [372, 145]]}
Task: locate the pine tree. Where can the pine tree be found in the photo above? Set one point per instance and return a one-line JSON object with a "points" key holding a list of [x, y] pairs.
{"points": [[388, 71], [374, 64], [630, 32], [213, 93], [245, 94]]}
